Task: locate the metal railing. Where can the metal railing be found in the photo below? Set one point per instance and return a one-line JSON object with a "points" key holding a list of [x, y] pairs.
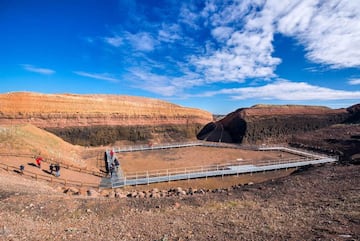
{"points": [[231, 168], [63, 165], [48, 178]]}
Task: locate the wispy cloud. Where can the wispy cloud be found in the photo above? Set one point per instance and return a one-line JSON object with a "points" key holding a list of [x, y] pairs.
{"points": [[141, 41], [224, 42], [103, 76], [354, 82], [38, 70], [288, 91], [329, 30], [115, 41]]}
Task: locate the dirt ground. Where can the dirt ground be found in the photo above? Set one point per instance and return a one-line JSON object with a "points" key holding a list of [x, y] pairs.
{"points": [[321, 203], [192, 157]]}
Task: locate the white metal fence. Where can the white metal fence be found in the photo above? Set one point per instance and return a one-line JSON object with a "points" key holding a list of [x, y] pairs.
{"points": [[231, 168]]}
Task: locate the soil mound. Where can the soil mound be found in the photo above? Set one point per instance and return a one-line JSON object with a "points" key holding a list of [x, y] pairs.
{"points": [[32, 141]]}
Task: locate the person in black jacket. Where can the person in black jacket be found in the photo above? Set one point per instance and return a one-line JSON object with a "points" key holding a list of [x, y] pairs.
{"points": [[57, 170]]}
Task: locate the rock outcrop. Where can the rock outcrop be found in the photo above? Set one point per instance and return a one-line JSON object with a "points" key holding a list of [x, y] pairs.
{"points": [[105, 118], [268, 123]]}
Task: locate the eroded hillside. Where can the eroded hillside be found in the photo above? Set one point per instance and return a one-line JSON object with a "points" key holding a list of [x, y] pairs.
{"points": [[101, 119], [264, 123]]}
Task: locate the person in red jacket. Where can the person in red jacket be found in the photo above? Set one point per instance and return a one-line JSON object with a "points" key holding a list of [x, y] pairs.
{"points": [[38, 161]]}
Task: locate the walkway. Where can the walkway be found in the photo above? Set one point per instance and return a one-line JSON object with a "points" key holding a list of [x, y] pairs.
{"points": [[307, 158]]}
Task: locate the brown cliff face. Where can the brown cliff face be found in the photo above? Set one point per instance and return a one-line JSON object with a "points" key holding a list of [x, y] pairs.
{"points": [[265, 123], [69, 114]]}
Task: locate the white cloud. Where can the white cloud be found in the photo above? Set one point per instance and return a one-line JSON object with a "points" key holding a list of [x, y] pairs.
{"points": [[222, 33], [189, 16], [238, 45], [246, 54], [329, 30], [38, 70], [170, 33], [354, 82], [114, 41], [288, 91], [152, 82], [142, 41], [104, 76]]}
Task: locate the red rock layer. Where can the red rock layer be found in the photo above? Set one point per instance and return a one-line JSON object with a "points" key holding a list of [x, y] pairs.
{"points": [[71, 110]]}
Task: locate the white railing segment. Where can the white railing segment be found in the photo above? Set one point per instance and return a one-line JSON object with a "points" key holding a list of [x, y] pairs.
{"points": [[231, 168]]}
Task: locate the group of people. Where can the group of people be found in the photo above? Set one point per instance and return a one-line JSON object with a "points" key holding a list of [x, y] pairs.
{"points": [[53, 167], [114, 167]]}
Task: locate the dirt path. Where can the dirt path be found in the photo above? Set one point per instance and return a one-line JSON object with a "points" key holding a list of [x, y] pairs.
{"points": [[44, 171]]}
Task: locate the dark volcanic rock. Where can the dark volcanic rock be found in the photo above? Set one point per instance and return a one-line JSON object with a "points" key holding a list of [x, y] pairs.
{"points": [[265, 123], [354, 112]]}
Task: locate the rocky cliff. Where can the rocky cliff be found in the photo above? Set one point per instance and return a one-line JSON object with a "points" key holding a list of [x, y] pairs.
{"points": [[104, 118], [268, 123]]}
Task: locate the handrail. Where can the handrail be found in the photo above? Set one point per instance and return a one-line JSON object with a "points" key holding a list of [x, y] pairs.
{"points": [[66, 166], [48, 178]]}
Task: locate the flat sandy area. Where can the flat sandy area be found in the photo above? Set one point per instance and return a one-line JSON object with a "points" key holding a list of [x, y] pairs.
{"points": [[141, 161]]}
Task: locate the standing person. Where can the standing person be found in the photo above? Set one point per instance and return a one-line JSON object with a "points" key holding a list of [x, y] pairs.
{"points": [[117, 164], [111, 154], [38, 161], [111, 169], [57, 169], [51, 167], [22, 167]]}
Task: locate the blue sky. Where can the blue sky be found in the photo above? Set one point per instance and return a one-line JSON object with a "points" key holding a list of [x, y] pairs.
{"points": [[213, 55]]}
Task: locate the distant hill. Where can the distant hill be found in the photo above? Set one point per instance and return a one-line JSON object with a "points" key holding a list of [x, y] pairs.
{"points": [[273, 123], [102, 119], [297, 124]]}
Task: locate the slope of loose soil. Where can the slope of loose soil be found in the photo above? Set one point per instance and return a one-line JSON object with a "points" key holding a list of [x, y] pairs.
{"points": [[28, 139], [342, 140], [320, 204]]}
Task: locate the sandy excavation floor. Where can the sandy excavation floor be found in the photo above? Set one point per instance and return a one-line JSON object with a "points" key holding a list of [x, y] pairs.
{"points": [[192, 156]]}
